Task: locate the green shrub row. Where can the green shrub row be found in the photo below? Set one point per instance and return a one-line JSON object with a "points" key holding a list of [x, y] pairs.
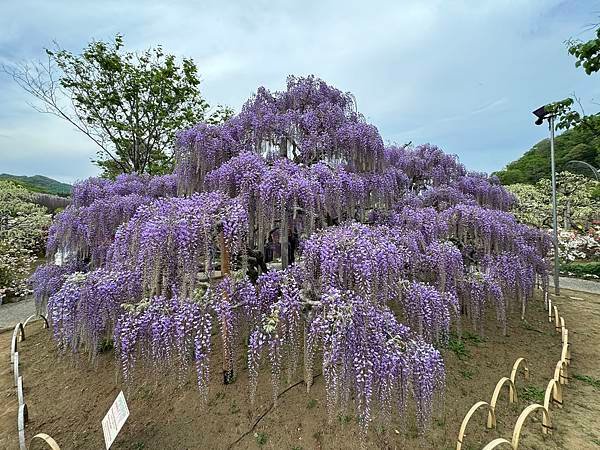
{"points": [[582, 269]]}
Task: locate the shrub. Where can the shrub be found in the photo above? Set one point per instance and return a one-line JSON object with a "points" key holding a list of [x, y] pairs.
{"points": [[23, 229], [583, 269]]}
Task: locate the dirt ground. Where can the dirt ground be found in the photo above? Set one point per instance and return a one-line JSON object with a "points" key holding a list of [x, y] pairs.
{"points": [[67, 397]]}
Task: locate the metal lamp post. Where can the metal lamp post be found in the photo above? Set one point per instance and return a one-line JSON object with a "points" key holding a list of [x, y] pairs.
{"points": [[541, 114]]}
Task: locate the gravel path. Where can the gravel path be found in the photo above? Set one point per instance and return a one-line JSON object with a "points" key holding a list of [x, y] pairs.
{"points": [[576, 284], [13, 313]]}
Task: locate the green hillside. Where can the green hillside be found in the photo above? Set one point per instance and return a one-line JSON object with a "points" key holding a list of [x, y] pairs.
{"points": [[580, 143], [39, 183]]}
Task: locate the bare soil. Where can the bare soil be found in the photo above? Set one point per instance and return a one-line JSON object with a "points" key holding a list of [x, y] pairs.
{"points": [[67, 396]]}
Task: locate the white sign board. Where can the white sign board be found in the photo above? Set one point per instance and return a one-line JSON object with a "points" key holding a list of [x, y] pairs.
{"points": [[114, 419]]}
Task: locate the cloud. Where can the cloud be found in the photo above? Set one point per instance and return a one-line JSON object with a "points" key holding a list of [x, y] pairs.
{"points": [[464, 74]]}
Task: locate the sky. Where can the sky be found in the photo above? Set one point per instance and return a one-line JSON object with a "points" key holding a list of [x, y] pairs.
{"points": [[464, 75]]}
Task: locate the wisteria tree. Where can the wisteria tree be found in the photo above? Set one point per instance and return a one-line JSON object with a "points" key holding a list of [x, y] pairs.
{"points": [[291, 227]]}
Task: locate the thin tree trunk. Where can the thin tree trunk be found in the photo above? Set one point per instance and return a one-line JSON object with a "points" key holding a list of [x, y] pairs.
{"points": [[227, 351], [283, 238]]}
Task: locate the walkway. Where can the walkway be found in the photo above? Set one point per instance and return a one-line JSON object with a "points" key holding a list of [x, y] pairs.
{"points": [[13, 313], [577, 423], [576, 284]]}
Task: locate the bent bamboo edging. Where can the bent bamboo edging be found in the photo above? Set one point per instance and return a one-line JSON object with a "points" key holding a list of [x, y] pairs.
{"points": [[467, 418], [47, 439], [16, 369], [33, 316], [496, 443], [20, 395], [17, 336], [565, 353], [513, 377], [22, 419], [560, 372], [553, 394], [546, 424], [491, 422]]}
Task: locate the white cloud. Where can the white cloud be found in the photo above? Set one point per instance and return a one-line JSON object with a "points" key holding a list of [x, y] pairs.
{"points": [[462, 74]]}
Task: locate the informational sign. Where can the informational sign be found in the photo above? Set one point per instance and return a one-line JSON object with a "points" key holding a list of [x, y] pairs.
{"points": [[114, 419]]}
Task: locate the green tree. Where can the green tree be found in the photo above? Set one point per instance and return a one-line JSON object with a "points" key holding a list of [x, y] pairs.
{"points": [[130, 104], [587, 56]]}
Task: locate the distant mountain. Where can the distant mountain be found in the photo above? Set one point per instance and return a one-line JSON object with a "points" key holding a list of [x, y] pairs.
{"points": [[39, 183], [581, 143]]}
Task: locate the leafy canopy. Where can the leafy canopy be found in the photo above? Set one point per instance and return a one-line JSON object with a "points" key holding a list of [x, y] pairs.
{"points": [[587, 56], [130, 104]]}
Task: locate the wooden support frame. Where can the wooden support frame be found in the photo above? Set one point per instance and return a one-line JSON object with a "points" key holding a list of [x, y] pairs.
{"points": [[513, 377], [491, 422], [549, 310], [546, 424], [556, 320], [47, 439], [497, 443], [467, 418], [562, 326]]}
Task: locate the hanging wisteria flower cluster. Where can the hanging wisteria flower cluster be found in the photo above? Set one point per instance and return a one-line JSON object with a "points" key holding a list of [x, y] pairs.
{"points": [[382, 251], [87, 228]]}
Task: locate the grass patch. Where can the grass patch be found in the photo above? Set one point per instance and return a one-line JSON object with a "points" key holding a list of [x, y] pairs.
{"points": [[311, 403], [344, 418], [594, 382], [234, 408], [466, 374], [527, 326], [106, 345], [473, 338], [318, 436], [457, 347], [532, 394], [261, 438]]}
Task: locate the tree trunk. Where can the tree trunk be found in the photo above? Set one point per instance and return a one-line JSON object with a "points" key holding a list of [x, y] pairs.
{"points": [[283, 238], [227, 351]]}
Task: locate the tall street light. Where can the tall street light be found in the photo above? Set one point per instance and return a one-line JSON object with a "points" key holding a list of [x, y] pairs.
{"points": [[543, 114]]}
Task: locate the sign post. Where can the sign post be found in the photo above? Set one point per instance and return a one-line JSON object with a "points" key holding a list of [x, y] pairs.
{"points": [[114, 419]]}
